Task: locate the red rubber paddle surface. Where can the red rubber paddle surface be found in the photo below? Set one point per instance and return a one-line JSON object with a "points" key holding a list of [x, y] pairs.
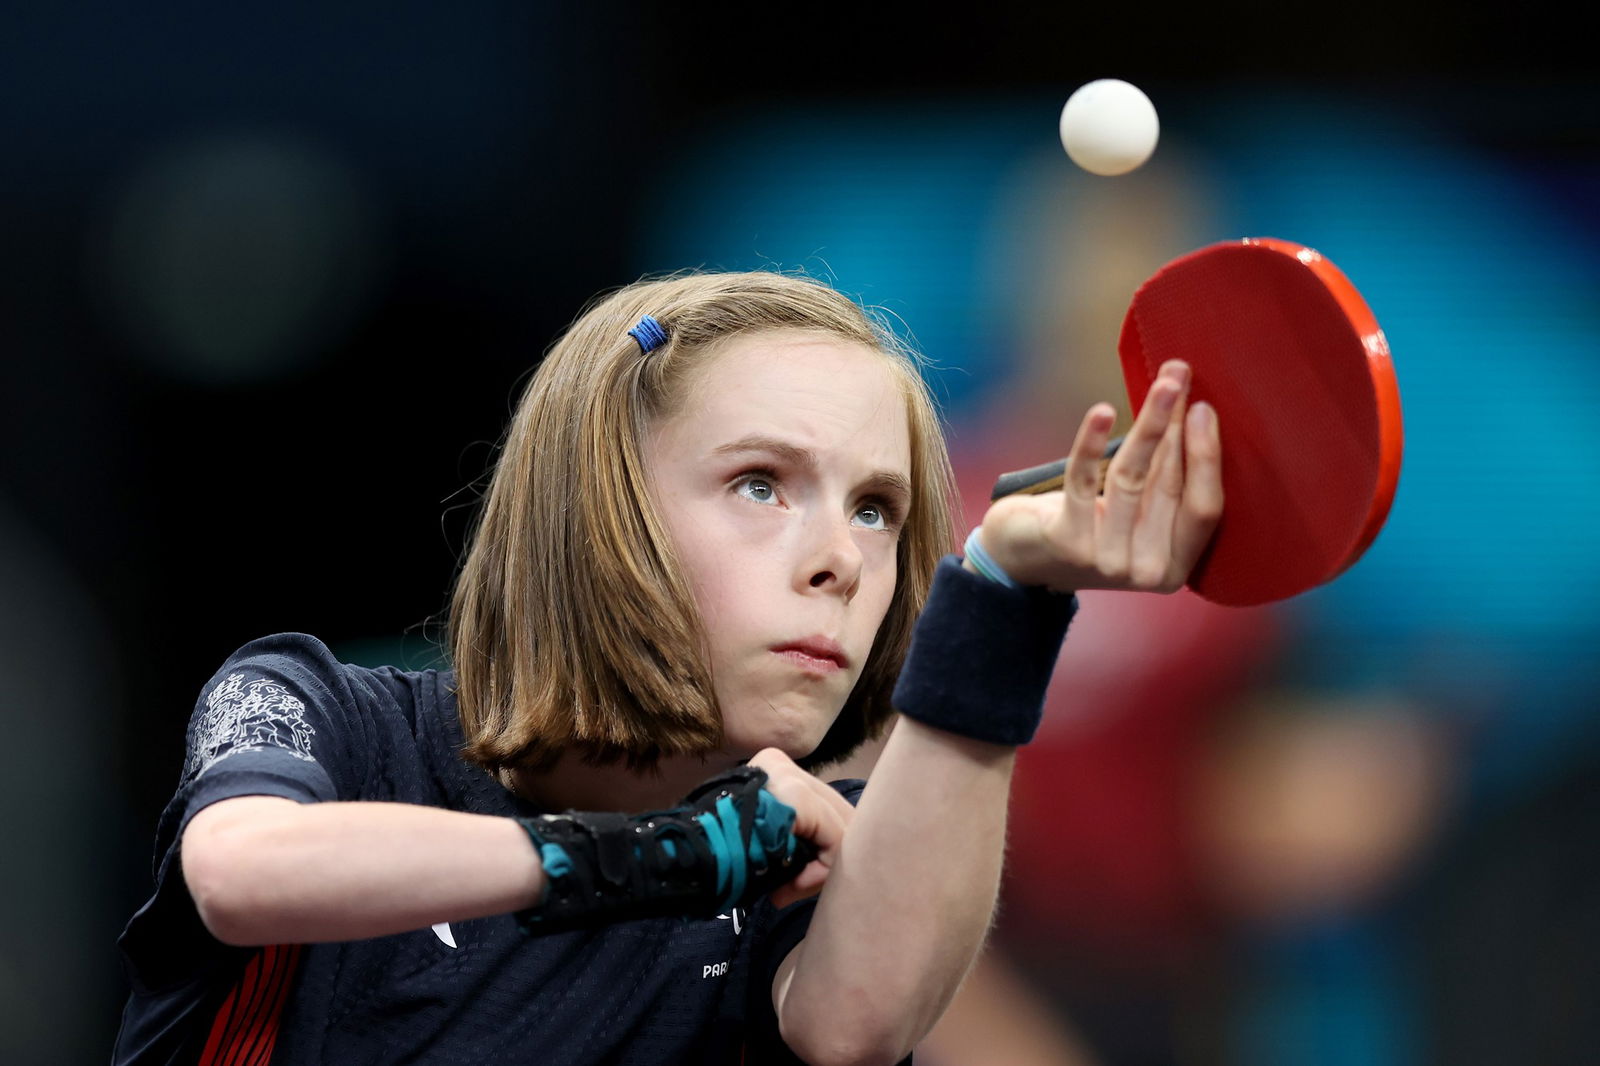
{"points": [[1283, 347]]}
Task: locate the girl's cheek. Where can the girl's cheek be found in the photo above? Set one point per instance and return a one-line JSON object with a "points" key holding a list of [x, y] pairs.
{"points": [[877, 545], [755, 522]]}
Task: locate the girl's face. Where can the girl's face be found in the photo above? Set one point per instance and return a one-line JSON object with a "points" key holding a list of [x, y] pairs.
{"points": [[784, 481]]}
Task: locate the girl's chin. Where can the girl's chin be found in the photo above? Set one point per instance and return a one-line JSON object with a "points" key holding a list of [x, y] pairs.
{"points": [[744, 752], [796, 734]]}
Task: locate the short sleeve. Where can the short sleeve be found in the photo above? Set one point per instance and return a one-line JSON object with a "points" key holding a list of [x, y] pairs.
{"points": [[278, 719]]}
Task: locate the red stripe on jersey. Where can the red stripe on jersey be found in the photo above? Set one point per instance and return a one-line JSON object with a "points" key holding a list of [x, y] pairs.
{"points": [[245, 1029]]}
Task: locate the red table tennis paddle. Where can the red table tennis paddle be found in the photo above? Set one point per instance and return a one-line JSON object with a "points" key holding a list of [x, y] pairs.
{"points": [[1284, 347]]}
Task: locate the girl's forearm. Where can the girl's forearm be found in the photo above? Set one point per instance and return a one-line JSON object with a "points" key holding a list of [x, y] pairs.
{"points": [[267, 870], [906, 908]]}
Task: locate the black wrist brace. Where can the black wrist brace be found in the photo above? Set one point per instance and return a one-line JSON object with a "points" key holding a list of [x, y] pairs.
{"points": [[730, 843]]}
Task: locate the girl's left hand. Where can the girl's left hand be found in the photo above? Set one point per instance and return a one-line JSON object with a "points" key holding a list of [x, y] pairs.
{"points": [[1161, 504], [820, 816]]}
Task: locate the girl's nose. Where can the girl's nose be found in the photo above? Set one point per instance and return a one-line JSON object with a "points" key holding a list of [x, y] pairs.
{"points": [[836, 562]]}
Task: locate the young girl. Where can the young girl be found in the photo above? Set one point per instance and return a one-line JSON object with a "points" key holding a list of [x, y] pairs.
{"points": [[718, 513]]}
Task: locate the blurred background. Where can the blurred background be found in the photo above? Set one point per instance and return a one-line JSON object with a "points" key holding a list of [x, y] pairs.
{"points": [[272, 275]]}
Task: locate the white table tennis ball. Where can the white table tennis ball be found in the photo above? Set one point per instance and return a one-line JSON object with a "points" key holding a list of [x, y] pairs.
{"points": [[1109, 127]]}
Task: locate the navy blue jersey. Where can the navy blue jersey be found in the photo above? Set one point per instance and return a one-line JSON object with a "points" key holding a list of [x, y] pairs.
{"points": [[284, 718]]}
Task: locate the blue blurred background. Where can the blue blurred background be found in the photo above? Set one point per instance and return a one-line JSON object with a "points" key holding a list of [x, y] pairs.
{"points": [[272, 274]]}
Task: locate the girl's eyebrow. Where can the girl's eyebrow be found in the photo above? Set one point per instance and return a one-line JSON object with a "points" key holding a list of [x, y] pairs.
{"points": [[806, 459]]}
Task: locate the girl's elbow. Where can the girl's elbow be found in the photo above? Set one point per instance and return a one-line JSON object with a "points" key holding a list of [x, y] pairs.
{"points": [[225, 891], [235, 928], [836, 1045]]}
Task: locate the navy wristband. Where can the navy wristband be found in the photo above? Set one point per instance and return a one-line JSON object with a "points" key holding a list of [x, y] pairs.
{"points": [[981, 656]]}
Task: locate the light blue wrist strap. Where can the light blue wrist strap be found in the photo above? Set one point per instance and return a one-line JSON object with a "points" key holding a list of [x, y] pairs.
{"points": [[983, 564]]}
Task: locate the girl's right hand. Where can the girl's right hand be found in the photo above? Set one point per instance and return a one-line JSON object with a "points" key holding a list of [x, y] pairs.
{"points": [[1147, 530]]}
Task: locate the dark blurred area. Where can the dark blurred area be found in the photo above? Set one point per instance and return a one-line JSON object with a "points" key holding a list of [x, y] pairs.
{"points": [[270, 276]]}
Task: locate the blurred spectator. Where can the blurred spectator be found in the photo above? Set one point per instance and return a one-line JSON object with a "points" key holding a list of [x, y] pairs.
{"points": [[1101, 904], [1312, 803]]}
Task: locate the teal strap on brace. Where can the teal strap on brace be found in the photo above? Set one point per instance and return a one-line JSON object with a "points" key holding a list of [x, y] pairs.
{"points": [[774, 825], [773, 831], [728, 815], [721, 824], [556, 863]]}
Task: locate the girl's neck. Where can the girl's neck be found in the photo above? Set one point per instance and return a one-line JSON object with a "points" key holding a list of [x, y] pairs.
{"points": [[572, 784]]}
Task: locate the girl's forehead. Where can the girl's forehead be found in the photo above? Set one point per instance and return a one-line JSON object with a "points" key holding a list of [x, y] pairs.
{"points": [[791, 360], [803, 384]]}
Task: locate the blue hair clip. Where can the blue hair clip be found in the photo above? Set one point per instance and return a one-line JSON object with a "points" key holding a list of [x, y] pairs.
{"points": [[649, 334]]}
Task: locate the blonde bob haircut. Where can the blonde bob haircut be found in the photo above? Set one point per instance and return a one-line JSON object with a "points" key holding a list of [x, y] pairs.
{"points": [[572, 626]]}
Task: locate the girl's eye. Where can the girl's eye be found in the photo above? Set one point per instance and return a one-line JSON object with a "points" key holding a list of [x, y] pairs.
{"points": [[872, 517], [884, 517], [758, 488]]}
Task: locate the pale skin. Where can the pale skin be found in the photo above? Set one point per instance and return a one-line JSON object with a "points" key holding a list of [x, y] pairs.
{"points": [[779, 479]]}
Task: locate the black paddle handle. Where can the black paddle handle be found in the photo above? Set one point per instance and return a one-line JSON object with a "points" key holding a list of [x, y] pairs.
{"points": [[1046, 478]]}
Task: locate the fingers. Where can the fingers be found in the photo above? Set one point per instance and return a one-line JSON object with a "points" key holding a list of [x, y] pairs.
{"points": [[1201, 509], [1081, 480], [808, 883], [821, 816], [819, 819], [1150, 565], [1080, 485], [1129, 475], [1148, 527]]}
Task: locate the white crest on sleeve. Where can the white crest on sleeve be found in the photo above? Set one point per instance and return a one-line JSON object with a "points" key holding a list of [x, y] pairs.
{"points": [[245, 715]]}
